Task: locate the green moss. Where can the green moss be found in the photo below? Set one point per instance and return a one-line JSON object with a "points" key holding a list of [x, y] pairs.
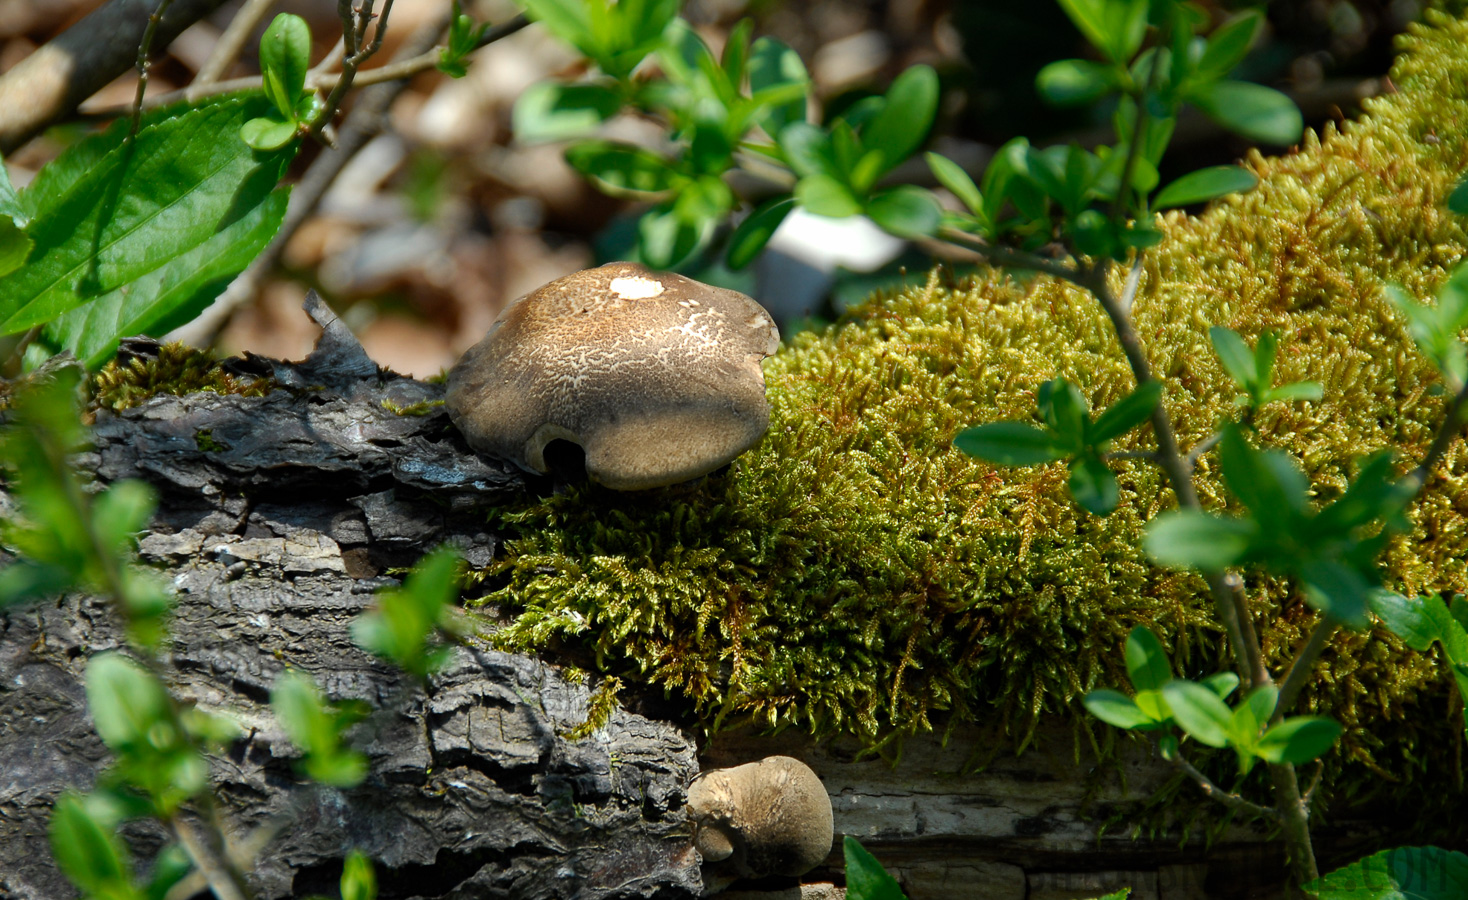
{"points": [[177, 369], [421, 408], [855, 574]]}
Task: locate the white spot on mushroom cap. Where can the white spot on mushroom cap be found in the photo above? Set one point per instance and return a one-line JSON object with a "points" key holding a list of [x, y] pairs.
{"points": [[632, 287]]}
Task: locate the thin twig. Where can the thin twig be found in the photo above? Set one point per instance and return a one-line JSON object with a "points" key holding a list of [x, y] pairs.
{"points": [[1118, 203], [227, 48], [219, 874], [1000, 255], [1314, 783], [1200, 448], [1294, 820], [1294, 680], [321, 80], [1452, 423], [145, 47], [355, 52], [1231, 800]]}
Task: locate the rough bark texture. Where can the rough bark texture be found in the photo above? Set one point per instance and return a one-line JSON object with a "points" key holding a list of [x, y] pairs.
{"points": [[282, 514]]}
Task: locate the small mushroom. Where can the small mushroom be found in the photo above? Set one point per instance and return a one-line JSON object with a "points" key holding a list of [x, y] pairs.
{"points": [[771, 817], [656, 376]]}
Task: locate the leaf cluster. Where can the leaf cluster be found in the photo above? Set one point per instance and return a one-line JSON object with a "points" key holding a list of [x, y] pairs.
{"points": [[285, 58], [404, 624]]}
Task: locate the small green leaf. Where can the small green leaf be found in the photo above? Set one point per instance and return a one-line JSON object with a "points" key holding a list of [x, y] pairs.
{"points": [[1115, 708], [1269, 482], [622, 167], [1009, 444], [358, 881], [1116, 27], [268, 133], [953, 177], [170, 866], [1228, 45], [402, 625], [1127, 413], [1205, 184], [1293, 392], [906, 116], [1251, 716], [1065, 411], [285, 56], [755, 231], [127, 703], [1146, 660], [88, 854], [825, 196], [1093, 485], [568, 20], [865, 877], [1419, 621], [15, 245], [1257, 112], [1405, 873], [1458, 199], [1337, 589], [1192, 539], [121, 512], [550, 111], [1222, 684], [1199, 711], [1298, 740], [1237, 358], [772, 65], [906, 211], [1072, 82], [316, 727]]}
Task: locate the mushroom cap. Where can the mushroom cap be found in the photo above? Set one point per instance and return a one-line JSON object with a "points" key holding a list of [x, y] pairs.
{"points": [[771, 817], [656, 376]]}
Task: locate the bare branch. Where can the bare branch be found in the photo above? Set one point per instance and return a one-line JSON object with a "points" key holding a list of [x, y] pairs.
{"points": [[1000, 255], [1294, 680], [223, 880], [227, 48], [1201, 448], [1231, 800], [145, 47], [52, 82]]}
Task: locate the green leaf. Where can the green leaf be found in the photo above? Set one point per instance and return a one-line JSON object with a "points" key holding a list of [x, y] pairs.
{"points": [[550, 111], [1205, 184], [358, 881], [1127, 413], [1228, 46], [1337, 589], [665, 237], [1065, 411], [1222, 684], [622, 167], [1192, 539], [1146, 660], [88, 854], [268, 133], [755, 231], [1294, 391], [1298, 740], [1458, 199], [1116, 27], [1237, 358], [772, 65], [402, 625], [825, 196], [1421, 620], [906, 116], [1253, 714], [1115, 708], [15, 245], [10, 204], [316, 727], [121, 512], [1405, 873], [568, 20], [808, 150], [865, 877], [182, 181], [1257, 112], [285, 56], [1009, 444], [1269, 482], [1199, 711], [127, 703], [1072, 82], [906, 211], [1093, 485], [953, 177], [170, 866], [172, 295]]}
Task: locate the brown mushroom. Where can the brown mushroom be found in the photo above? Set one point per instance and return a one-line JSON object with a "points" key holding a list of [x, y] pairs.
{"points": [[656, 376], [771, 817]]}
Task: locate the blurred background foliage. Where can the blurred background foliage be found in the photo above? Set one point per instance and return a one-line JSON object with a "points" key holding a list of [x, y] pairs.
{"points": [[446, 217]]}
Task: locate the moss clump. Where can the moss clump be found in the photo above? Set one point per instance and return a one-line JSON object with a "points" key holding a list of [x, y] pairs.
{"points": [[855, 573], [175, 369]]}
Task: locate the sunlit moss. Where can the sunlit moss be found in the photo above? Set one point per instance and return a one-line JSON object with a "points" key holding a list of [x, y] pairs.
{"points": [[176, 369], [856, 574]]}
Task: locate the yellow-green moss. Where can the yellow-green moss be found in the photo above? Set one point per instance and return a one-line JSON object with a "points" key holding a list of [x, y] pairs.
{"points": [[855, 573], [176, 369]]}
